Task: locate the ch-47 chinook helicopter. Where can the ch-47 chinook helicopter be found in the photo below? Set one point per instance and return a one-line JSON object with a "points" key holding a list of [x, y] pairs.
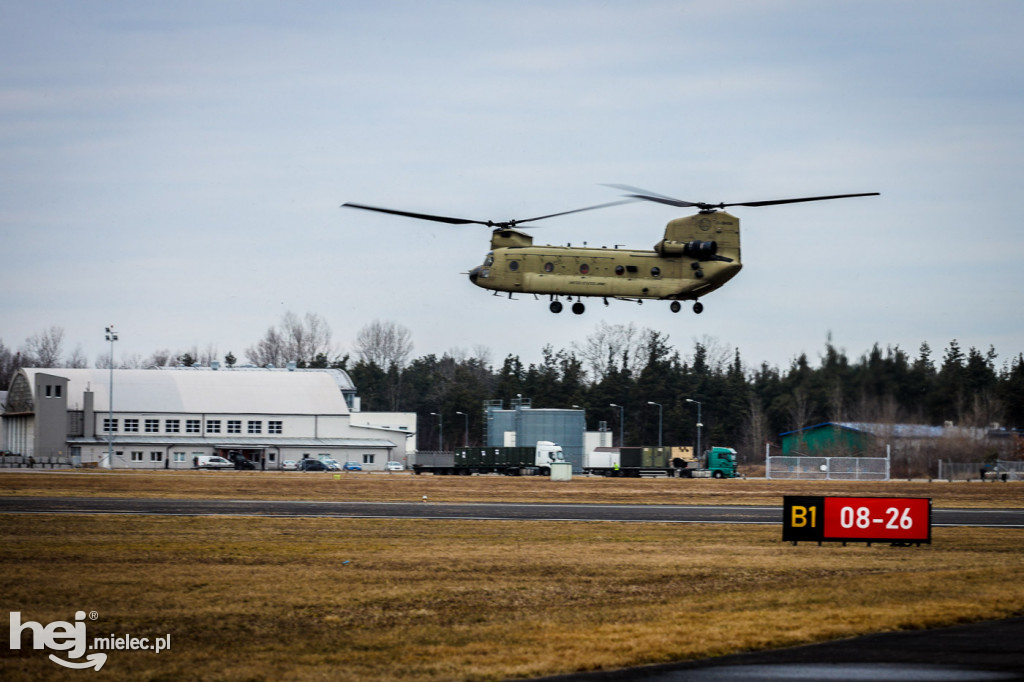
{"points": [[698, 254]]}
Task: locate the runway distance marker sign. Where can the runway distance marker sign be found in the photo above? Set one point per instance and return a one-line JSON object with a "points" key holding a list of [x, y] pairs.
{"points": [[899, 520]]}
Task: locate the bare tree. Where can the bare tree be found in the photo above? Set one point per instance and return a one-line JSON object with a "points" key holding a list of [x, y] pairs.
{"points": [[755, 430], [268, 351], [295, 340], [44, 349], [384, 344], [77, 359], [611, 344], [9, 363], [306, 338], [161, 358]]}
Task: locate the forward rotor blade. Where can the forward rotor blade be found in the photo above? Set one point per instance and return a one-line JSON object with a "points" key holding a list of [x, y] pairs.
{"points": [[489, 223], [420, 216], [797, 201]]}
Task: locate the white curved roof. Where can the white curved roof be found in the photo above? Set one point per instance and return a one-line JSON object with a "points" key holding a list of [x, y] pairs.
{"points": [[220, 392]]}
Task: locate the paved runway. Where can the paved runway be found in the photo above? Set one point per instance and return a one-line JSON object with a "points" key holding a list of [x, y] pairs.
{"points": [[1003, 518], [992, 650]]}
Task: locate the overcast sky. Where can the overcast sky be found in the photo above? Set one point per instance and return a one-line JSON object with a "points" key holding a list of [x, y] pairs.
{"points": [[176, 169]]}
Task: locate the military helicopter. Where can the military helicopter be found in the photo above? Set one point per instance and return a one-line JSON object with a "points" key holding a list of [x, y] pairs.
{"points": [[697, 255]]}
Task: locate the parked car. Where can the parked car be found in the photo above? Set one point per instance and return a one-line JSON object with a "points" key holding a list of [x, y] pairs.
{"points": [[395, 466], [312, 465], [289, 465], [212, 462], [353, 466], [242, 463], [332, 464]]}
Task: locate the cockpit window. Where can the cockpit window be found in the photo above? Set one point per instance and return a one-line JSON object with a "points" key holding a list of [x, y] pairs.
{"points": [[489, 261]]}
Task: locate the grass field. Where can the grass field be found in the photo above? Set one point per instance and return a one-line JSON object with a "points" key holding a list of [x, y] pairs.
{"points": [[358, 599]]}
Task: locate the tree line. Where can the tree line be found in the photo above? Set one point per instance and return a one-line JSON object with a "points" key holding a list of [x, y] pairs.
{"points": [[651, 383]]}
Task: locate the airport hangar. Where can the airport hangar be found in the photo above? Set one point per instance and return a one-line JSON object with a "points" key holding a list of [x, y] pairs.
{"points": [[167, 418]]}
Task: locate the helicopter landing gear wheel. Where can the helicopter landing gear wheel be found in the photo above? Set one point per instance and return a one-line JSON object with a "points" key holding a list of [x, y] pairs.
{"points": [[698, 307], [555, 307], [578, 308], [675, 307]]}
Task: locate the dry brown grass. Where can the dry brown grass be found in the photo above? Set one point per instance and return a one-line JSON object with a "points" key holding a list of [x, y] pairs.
{"points": [[248, 598], [406, 487]]}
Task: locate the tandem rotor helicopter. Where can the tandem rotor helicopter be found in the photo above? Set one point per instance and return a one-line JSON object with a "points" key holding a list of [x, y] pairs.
{"points": [[698, 254]]}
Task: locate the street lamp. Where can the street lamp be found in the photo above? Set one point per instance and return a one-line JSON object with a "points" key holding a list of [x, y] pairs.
{"points": [[465, 437], [699, 425], [111, 337], [440, 430], [661, 413], [622, 412]]}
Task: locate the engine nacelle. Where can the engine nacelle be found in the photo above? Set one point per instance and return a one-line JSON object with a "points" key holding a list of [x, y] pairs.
{"points": [[698, 250], [701, 250]]}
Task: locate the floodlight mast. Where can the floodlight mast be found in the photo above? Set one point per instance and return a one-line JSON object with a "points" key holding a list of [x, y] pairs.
{"points": [[111, 336]]}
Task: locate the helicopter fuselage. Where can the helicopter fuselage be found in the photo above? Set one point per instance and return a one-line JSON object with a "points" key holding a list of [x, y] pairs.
{"points": [[698, 255]]}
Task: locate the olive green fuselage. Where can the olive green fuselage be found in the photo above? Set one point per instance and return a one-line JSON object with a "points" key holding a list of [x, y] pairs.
{"points": [[668, 272]]}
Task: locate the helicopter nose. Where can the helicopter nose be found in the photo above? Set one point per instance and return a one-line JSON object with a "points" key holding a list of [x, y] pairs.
{"points": [[473, 274]]}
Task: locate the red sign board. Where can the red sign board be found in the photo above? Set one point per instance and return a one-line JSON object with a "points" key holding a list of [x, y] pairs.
{"points": [[864, 519]]}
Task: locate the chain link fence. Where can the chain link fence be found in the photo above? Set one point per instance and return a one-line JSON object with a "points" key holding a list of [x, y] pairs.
{"points": [[793, 467], [1002, 470]]}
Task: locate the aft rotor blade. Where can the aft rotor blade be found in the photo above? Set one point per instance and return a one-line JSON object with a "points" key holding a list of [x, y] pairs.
{"points": [[420, 216], [647, 195], [575, 210], [797, 201]]}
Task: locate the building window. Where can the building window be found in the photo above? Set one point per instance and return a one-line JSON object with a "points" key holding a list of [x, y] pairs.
{"points": [[367, 459], [131, 425], [109, 425], [173, 425], [56, 391], [156, 456], [136, 455], [234, 426], [152, 426], [179, 456], [275, 427], [191, 426], [255, 427], [213, 426]]}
